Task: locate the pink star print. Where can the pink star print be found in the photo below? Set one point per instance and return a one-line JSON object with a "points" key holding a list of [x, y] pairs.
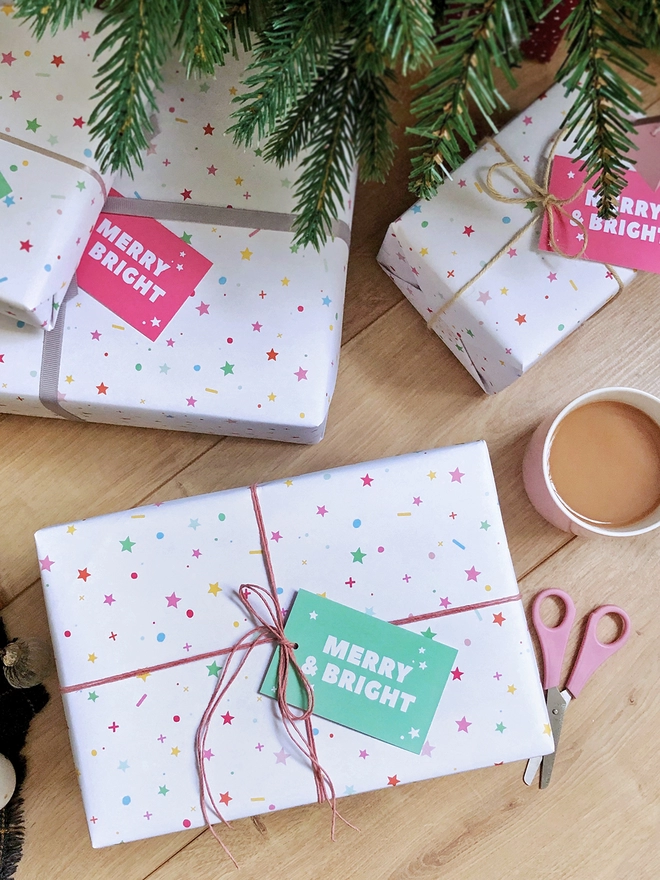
{"points": [[468, 230], [211, 169], [281, 756], [95, 335], [456, 476], [472, 574], [173, 600], [191, 401], [321, 511], [462, 183], [427, 748], [445, 603], [208, 754], [203, 308], [364, 753], [367, 480], [227, 718], [484, 296], [7, 58], [417, 500], [300, 373], [170, 343], [46, 563], [463, 725], [456, 674], [197, 553], [512, 252], [257, 327], [552, 276], [527, 120], [84, 36], [109, 599], [15, 95], [275, 536]]}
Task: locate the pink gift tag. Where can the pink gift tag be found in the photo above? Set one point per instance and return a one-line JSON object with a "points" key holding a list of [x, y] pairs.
{"points": [[140, 270], [630, 239]]}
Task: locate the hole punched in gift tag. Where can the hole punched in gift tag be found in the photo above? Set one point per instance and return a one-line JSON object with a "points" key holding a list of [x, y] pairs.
{"points": [[592, 652]]}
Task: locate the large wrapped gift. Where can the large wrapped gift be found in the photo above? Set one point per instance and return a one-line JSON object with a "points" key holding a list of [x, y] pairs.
{"points": [[470, 262], [51, 186], [206, 319], [143, 609]]}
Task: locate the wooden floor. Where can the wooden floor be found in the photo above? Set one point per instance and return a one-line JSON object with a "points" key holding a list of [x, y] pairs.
{"points": [[399, 390]]}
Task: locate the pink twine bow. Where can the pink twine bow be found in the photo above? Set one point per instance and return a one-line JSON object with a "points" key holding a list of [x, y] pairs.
{"points": [[270, 628]]}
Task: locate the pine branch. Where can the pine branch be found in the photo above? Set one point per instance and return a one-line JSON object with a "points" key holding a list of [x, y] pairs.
{"points": [[202, 35], [644, 17], [375, 147], [599, 43], [475, 35], [140, 35], [402, 30], [56, 14]]}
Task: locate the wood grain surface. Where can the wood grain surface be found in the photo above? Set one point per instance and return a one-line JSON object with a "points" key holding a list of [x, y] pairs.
{"points": [[399, 390]]}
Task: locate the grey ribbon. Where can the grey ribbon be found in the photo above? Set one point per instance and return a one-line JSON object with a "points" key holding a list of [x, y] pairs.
{"points": [[51, 355], [238, 217], [18, 142]]}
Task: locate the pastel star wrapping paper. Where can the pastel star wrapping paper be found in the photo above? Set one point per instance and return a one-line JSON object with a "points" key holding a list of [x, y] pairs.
{"points": [[252, 351], [529, 300], [417, 537], [48, 204]]}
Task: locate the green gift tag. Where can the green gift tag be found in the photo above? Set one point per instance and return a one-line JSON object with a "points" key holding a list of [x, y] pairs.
{"points": [[367, 674]]}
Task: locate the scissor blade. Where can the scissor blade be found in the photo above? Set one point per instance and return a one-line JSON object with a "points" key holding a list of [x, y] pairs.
{"points": [[533, 765], [556, 702]]}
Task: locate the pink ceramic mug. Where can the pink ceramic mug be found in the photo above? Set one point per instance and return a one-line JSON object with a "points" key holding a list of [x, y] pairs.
{"points": [[536, 471]]}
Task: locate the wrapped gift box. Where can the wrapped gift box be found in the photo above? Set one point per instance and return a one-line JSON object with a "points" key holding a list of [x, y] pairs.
{"points": [[51, 187], [416, 539], [528, 300], [239, 335]]}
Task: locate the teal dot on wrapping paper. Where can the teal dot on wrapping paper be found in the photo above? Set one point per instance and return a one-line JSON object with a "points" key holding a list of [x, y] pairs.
{"points": [[20, 323], [13, 167], [357, 523], [327, 476], [47, 267], [160, 637], [33, 373], [425, 223], [222, 280], [315, 731], [222, 517], [279, 591], [160, 535], [506, 219], [138, 367], [126, 800], [561, 327], [87, 152], [197, 368]]}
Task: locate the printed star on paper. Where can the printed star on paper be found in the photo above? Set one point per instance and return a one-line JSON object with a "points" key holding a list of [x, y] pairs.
{"points": [[7, 58], [413, 733], [484, 296], [444, 602], [225, 798], [552, 276], [301, 374], [416, 209], [457, 674], [208, 754], [285, 281], [95, 335], [197, 553], [83, 574], [191, 401], [468, 230], [281, 756], [108, 600], [350, 789], [321, 511], [456, 476], [238, 181], [512, 252], [272, 397], [26, 245], [127, 545], [173, 600], [463, 725], [423, 252], [313, 615], [364, 754], [393, 780], [428, 633], [422, 665], [272, 354], [163, 789], [203, 308], [214, 669], [521, 319], [32, 124], [427, 748], [246, 254], [485, 525], [228, 368], [176, 751], [46, 563], [57, 60], [15, 95], [214, 589], [358, 555], [256, 327], [93, 696], [78, 122], [547, 729], [193, 524], [92, 658], [498, 618], [417, 500], [275, 536], [326, 300], [186, 238], [472, 574], [431, 475], [527, 120], [367, 480], [123, 765], [102, 388], [208, 129], [186, 194], [500, 727], [511, 688]]}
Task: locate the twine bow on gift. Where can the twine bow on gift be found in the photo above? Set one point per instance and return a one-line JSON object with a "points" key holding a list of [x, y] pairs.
{"points": [[540, 195], [270, 629]]}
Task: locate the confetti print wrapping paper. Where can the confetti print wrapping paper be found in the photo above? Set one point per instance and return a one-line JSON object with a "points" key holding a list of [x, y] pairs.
{"points": [[529, 300], [415, 535], [252, 352], [47, 206]]}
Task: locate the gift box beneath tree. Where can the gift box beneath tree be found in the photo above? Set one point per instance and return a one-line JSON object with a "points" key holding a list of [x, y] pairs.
{"points": [[417, 540], [211, 320], [51, 187], [527, 301]]}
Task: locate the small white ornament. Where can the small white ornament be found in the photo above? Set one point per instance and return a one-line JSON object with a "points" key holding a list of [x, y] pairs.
{"points": [[7, 780]]}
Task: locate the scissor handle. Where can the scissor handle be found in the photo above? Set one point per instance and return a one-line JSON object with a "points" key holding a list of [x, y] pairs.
{"points": [[592, 651], [553, 639]]}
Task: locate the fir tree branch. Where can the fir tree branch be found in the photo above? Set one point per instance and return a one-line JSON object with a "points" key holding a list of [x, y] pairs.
{"points": [[644, 17], [140, 34], [403, 31], [475, 35], [55, 14], [202, 35], [375, 147], [599, 43]]}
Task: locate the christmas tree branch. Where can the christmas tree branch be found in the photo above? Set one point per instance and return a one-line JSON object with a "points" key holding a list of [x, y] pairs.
{"points": [[644, 17], [54, 15], [599, 42], [140, 37], [203, 35]]}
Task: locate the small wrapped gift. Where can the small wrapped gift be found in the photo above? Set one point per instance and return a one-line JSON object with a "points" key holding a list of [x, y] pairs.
{"points": [[470, 263], [144, 612], [51, 187], [193, 309]]}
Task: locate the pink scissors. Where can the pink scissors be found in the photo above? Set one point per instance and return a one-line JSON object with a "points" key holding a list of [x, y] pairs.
{"points": [[591, 654]]}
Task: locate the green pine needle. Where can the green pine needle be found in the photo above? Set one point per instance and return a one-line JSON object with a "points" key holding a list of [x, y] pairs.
{"points": [[55, 14], [203, 35]]}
